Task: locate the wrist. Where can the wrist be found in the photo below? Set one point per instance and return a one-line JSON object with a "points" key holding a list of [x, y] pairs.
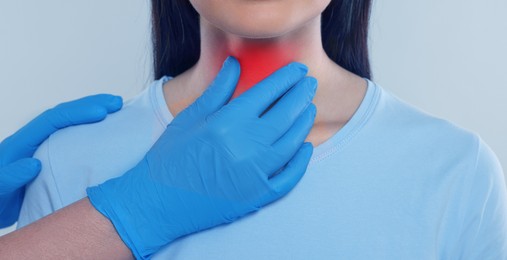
{"points": [[105, 227], [122, 208]]}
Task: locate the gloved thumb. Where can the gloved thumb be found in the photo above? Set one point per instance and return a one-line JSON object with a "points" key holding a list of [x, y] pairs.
{"points": [[216, 95], [17, 174]]}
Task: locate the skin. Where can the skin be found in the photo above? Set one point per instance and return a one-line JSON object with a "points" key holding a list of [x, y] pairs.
{"points": [[77, 231], [265, 35]]}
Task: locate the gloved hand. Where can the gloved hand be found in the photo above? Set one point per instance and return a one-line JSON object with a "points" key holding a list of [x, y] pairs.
{"points": [[17, 168], [214, 163]]}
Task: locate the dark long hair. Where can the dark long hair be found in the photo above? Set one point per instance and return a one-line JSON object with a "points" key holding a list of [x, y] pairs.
{"points": [[176, 38]]}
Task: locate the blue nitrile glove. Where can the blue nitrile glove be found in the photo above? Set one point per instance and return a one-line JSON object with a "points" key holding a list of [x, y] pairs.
{"points": [[17, 167], [214, 163]]}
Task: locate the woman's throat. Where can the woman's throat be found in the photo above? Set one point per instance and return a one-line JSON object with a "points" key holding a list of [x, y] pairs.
{"points": [[258, 60]]}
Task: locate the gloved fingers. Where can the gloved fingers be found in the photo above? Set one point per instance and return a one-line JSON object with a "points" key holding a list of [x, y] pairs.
{"points": [[290, 142], [89, 109], [256, 100], [287, 110], [215, 96], [17, 174], [290, 175], [82, 111]]}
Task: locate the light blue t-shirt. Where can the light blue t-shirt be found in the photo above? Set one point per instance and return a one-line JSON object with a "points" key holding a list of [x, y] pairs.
{"points": [[393, 183]]}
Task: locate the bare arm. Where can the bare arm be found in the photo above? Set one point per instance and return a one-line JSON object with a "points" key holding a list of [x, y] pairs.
{"points": [[76, 231]]}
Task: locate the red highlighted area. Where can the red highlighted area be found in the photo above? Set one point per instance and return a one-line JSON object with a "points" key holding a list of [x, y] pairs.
{"points": [[258, 59]]}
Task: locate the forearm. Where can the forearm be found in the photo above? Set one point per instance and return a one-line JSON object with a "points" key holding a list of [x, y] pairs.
{"points": [[76, 231]]}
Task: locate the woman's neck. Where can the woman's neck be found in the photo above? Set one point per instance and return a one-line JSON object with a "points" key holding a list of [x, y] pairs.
{"points": [[339, 91], [258, 57]]}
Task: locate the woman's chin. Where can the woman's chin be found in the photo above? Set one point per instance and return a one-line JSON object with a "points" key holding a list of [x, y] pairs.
{"points": [[264, 30], [258, 34]]}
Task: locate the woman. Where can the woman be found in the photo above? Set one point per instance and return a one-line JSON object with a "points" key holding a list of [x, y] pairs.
{"points": [[385, 180]]}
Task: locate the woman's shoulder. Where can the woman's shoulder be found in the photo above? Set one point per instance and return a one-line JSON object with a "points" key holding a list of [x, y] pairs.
{"points": [[403, 118], [405, 127], [430, 141], [99, 150], [139, 115]]}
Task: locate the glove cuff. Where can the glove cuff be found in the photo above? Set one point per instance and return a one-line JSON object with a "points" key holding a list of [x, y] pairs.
{"points": [[100, 199]]}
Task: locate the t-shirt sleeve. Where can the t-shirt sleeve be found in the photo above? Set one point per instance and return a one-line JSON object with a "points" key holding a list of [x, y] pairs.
{"points": [[484, 229], [42, 196]]}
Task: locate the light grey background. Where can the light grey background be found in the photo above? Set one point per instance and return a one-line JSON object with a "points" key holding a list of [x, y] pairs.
{"points": [[444, 56]]}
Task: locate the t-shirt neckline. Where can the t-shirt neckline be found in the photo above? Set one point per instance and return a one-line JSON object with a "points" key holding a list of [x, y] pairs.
{"points": [[339, 139], [333, 144]]}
